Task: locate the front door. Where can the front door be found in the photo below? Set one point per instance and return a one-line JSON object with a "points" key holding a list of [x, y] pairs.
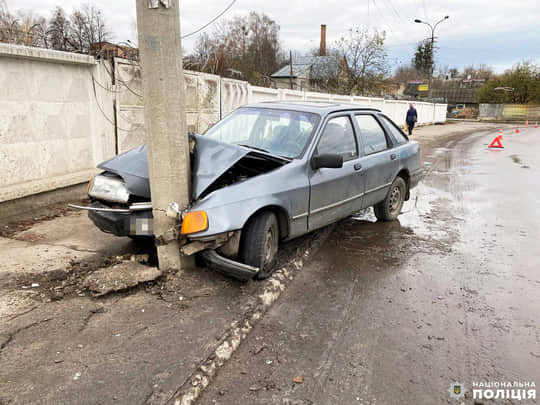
{"points": [[336, 193]]}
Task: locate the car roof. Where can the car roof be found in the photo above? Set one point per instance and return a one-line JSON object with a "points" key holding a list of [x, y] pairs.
{"points": [[317, 107]]}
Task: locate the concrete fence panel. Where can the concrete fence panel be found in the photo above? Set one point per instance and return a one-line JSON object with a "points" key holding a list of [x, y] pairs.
{"points": [[129, 109], [291, 95], [313, 96], [54, 127], [234, 93], [261, 94]]}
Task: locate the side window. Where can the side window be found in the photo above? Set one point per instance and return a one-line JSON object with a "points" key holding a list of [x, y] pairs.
{"points": [[394, 130], [372, 134], [338, 138]]}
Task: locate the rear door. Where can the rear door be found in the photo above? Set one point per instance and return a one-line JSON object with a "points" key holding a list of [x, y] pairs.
{"points": [[336, 193], [379, 162]]}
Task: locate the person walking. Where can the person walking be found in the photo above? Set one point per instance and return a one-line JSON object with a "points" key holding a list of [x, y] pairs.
{"points": [[412, 117]]}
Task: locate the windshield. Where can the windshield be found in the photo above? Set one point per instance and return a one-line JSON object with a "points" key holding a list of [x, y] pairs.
{"points": [[279, 132]]}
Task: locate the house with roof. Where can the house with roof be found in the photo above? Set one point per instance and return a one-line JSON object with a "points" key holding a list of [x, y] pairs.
{"points": [[458, 94], [311, 73], [108, 50]]}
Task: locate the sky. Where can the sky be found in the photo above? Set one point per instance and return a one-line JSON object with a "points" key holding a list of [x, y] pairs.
{"points": [[493, 32]]}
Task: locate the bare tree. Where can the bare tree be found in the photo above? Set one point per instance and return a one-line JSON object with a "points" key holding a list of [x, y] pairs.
{"points": [[88, 30], [248, 44], [31, 30], [5, 21], [78, 36], [84, 31], [24, 28], [481, 71], [366, 57], [405, 73], [202, 53], [58, 30]]}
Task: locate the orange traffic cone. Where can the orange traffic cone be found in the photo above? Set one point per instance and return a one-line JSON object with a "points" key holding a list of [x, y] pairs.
{"points": [[496, 143], [536, 125], [500, 132], [527, 123], [517, 129]]}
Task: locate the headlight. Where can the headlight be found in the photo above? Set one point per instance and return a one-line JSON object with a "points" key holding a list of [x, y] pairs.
{"points": [[109, 189]]}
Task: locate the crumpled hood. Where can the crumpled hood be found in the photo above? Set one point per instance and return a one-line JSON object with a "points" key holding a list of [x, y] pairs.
{"points": [[210, 159]]}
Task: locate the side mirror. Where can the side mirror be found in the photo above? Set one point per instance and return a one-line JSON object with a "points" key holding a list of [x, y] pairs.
{"points": [[328, 160]]}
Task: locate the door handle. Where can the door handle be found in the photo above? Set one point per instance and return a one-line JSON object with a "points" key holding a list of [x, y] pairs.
{"points": [[357, 166], [393, 156]]}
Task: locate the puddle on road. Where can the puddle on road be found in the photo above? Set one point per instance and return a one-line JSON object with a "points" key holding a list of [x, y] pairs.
{"points": [[425, 225]]}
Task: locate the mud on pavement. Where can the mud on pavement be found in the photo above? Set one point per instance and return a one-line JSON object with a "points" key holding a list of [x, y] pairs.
{"points": [[97, 328], [150, 339]]}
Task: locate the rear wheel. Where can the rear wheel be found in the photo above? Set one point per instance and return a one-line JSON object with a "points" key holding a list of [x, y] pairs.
{"points": [[390, 207], [259, 243]]}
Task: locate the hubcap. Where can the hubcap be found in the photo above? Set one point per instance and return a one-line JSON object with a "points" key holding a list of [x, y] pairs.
{"points": [[395, 199], [270, 246]]}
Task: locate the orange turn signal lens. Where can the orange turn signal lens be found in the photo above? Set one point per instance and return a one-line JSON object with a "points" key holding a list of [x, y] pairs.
{"points": [[194, 221]]}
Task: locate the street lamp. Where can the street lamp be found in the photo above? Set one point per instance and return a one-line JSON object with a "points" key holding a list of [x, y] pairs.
{"points": [[432, 27]]}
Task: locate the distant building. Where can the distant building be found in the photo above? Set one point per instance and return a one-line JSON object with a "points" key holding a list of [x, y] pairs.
{"points": [[457, 91], [311, 72], [459, 94], [108, 50]]}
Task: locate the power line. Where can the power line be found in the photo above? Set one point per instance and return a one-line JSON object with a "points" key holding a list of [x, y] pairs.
{"points": [[103, 86], [211, 21], [395, 11], [382, 17], [105, 115], [121, 81]]}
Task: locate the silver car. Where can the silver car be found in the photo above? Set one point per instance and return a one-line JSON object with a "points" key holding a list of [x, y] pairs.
{"points": [[268, 172]]}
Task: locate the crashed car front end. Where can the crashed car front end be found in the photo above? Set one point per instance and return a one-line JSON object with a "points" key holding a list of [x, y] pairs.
{"points": [[213, 221], [232, 180]]}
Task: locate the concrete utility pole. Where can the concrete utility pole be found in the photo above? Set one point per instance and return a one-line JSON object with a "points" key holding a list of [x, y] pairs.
{"points": [[158, 23]]}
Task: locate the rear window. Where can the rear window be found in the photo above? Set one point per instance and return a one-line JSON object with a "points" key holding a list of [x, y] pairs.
{"points": [[394, 130], [372, 134]]}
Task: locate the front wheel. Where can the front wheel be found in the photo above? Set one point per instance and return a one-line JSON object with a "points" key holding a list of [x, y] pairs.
{"points": [[390, 207], [259, 243]]}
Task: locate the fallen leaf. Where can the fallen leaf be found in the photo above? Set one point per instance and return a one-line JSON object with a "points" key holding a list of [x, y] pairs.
{"points": [[298, 379]]}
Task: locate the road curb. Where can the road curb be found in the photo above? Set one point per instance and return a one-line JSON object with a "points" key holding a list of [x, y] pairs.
{"points": [[193, 387]]}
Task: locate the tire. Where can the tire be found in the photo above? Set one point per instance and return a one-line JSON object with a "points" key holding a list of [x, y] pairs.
{"points": [[390, 207], [259, 243]]}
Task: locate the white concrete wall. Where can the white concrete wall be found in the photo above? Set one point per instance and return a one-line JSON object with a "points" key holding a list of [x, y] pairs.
{"points": [[57, 112], [52, 133]]}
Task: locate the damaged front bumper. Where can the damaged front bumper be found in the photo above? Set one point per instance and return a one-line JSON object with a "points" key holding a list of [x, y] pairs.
{"points": [[217, 252], [136, 220], [221, 264]]}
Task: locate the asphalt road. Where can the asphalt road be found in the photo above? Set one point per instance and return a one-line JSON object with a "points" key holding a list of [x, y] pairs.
{"points": [[395, 313], [381, 313]]}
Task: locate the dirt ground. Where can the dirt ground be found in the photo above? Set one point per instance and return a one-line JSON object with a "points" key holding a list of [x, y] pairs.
{"points": [[381, 313]]}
